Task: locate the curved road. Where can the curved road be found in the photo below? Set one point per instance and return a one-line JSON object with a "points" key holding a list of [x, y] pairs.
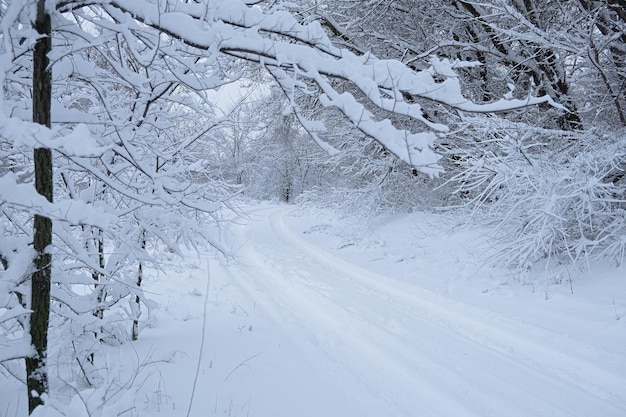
{"points": [[410, 352]]}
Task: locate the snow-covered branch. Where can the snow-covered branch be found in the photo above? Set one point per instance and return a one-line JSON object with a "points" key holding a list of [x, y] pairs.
{"points": [[277, 39]]}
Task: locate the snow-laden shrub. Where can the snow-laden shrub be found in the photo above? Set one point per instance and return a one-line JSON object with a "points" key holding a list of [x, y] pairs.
{"points": [[556, 197], [372, 182]]}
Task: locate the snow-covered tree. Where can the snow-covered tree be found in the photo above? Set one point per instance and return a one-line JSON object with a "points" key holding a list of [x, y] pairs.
{"points": [[570, 50], [124, 74]]}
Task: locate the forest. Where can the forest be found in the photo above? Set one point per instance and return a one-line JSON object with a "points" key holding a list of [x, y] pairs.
{"points": [[133, 131]]}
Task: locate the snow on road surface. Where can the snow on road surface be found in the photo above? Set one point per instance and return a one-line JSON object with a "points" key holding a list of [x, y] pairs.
{"points": [[321, 333], [319, 316]]}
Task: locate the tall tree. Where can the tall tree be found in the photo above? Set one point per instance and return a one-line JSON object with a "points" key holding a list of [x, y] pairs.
{"points": [[36, 368]]}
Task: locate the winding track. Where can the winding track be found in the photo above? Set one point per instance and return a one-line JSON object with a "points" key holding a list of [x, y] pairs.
{"points": [[416, 350]]}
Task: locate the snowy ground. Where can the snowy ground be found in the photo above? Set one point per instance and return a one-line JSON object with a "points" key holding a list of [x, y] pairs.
{"points": [[323, 317]]}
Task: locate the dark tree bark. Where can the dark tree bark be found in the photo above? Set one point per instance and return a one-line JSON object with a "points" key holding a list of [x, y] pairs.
{"points": [[36, 372], [135, 330]]}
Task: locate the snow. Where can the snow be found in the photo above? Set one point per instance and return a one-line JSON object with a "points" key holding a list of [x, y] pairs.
{"points": [[242, 31], [78, 142], [323, 315], [26, 197]]}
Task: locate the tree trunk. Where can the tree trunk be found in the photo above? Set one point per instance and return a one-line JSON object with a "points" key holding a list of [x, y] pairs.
{"points": [[36, 372], [135, 330], [97, 276]]}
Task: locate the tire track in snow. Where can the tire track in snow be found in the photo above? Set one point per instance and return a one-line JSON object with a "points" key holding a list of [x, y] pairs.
{"points": [[453, 360], [338, 334], [482, 326]]}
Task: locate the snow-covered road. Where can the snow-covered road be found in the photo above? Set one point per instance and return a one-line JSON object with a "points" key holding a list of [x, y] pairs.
{"points": [[341, 340], [319, 316]]}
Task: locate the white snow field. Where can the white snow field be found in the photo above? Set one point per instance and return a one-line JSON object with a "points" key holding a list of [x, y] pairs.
{"points": [[321, 316]]}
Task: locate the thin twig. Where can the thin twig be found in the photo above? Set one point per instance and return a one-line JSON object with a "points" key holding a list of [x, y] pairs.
{"points": [[201, 351], [243, 363]]}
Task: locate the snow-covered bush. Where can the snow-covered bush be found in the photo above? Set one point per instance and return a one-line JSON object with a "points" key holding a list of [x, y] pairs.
{"points": [[555, 196], [368, 180]]}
